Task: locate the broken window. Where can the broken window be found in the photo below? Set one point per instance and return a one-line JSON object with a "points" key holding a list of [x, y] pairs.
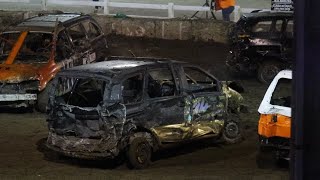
{"points": [[262, 26], [199, 81], [36, 47], [64, 47], [160, 83], [282, 93], [91, 29], [80, 92], [77, 35], [132, 89]]}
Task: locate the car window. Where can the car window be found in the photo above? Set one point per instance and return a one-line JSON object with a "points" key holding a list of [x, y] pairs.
{"points": [[76, 33], [262, 26], [289, 28], [64, 47], [278, 25], [86, 92], [132, 89], [282, 93], [91, 29], [36, 47], [198, 80], [160, 83]]}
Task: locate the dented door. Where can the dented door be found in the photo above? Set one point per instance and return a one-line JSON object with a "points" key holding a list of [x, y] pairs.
{"points": [[196, 112]]}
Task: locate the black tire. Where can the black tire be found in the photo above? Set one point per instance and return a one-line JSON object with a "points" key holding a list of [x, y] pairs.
{"points": [[43, 98], [232, 132], [139, 153], [267, 71]]}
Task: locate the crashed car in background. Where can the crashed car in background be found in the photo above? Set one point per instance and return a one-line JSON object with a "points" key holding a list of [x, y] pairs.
{"points": [[261, 43], [32, 52], [275, 119], [138, 105]]}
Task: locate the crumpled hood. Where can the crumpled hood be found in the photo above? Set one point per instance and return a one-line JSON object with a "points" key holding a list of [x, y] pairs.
{"points": [[15, 73]]}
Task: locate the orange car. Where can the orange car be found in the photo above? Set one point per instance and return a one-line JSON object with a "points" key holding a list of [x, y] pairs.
{"points": [[275, 116], [32, 52]]}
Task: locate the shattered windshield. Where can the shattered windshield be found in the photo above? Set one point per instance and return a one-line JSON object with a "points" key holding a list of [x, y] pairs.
{"points": [[36, 47], [82, 92], [282, 93]]}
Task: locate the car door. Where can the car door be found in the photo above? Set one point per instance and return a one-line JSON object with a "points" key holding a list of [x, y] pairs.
{"points": [[205, 103], [164, 104], [98, 42]]}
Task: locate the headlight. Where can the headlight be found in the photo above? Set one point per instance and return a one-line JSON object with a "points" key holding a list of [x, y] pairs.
{"points": [[32, 85]]}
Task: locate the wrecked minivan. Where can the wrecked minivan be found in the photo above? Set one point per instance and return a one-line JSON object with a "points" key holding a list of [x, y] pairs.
{"points": [[33, 51], [136, 106], [275, 118]]}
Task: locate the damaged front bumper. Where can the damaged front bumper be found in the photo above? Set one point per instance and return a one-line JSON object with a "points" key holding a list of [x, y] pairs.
{"points": [[83, 148], [18, 97]]}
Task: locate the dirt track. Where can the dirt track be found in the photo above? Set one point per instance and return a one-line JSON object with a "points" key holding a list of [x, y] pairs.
{"points": [[22, 135]]}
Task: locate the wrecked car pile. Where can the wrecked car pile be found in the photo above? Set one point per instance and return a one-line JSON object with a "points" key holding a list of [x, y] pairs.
{"points": [[33, 51], [138, 105], [261, 43]]}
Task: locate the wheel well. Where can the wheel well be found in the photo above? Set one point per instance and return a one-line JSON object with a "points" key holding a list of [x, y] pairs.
{"points": [[144, 132]]}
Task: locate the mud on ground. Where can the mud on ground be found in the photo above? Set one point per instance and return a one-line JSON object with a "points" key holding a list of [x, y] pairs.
{"points": [[22, 135]]}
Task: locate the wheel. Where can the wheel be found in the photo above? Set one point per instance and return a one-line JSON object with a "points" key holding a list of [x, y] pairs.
{"points": [[231, 132], [139, 153], [267, 71], [43, 98]]}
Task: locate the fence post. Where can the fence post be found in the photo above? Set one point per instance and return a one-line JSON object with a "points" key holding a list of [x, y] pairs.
{"points": [[106, 7], [236, 13], [170, 10], [44, 5]]}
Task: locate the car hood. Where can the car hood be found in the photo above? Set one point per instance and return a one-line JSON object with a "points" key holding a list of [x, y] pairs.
{"points": [[15, 73]]}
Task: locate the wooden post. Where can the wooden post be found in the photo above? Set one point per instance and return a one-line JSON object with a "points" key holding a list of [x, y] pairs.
{"points": [[106, 7], [44, 5], [170, 10]]}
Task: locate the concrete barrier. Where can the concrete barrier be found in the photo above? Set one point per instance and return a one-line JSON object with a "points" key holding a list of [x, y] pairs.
{"points": [[207, 30]]}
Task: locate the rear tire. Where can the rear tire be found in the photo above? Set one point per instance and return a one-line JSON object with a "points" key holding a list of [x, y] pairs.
{"points": [[268, 70], [232, 132], [139, 153]]}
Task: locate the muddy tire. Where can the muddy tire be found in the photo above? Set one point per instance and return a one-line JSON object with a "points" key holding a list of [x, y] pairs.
{"points": [[267, 71], [139, 153], [43, 98], [232, 132]]}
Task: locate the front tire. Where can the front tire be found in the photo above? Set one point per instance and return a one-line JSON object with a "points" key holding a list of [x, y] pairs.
{"points": [[232, 132], [267, 71], [139, 153]]}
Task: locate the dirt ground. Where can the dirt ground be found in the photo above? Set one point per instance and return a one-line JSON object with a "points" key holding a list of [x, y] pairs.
{"points": [[22, 135]]}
